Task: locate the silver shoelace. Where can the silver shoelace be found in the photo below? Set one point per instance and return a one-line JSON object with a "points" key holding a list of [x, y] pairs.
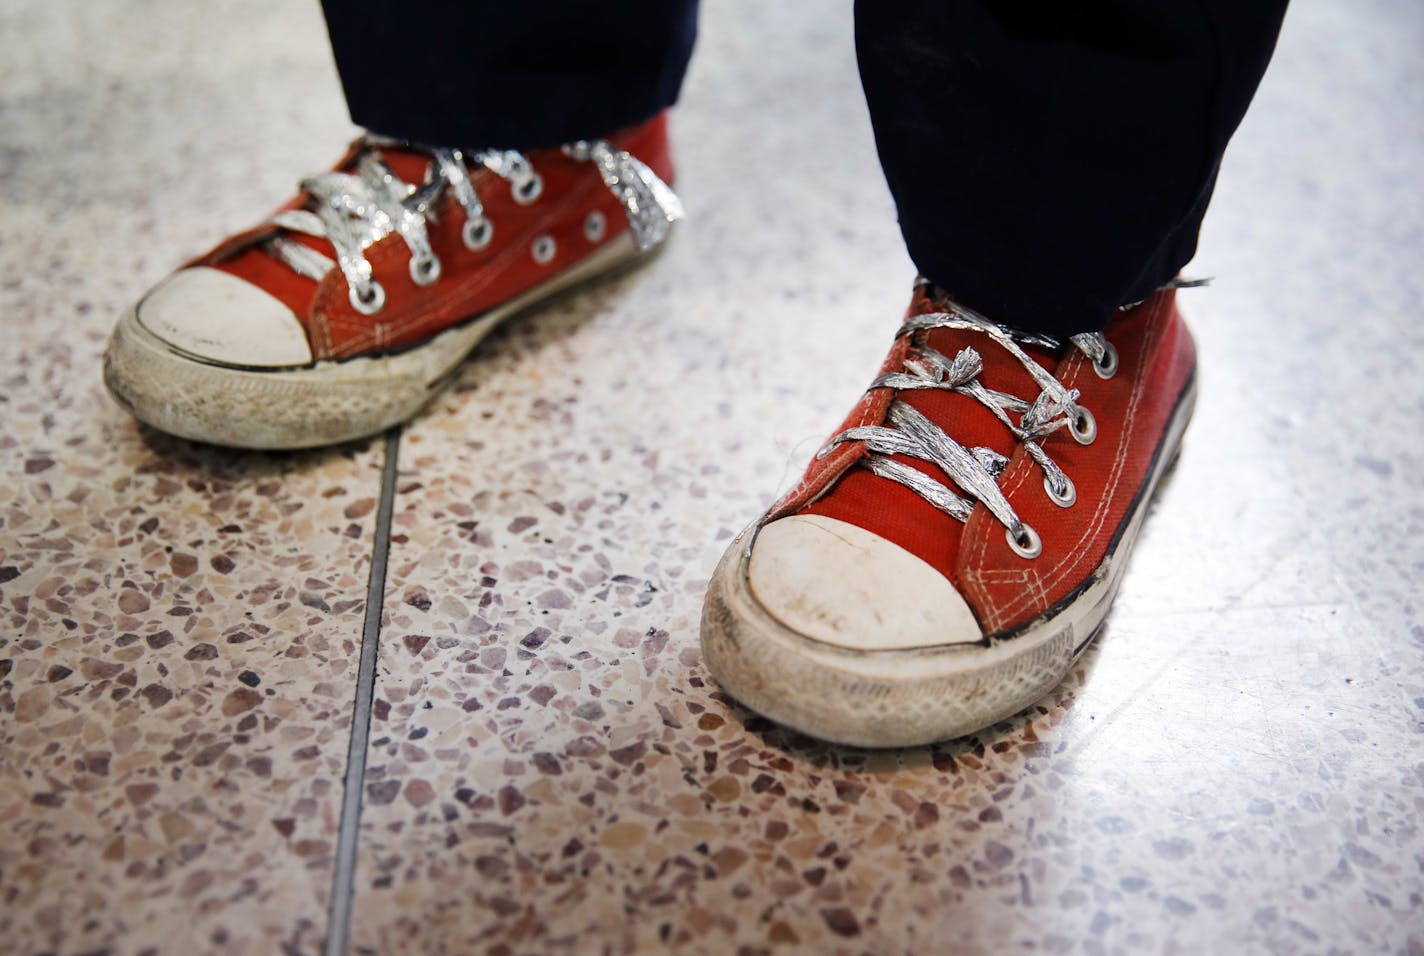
{"points": [[355, 210], [976, 470]]}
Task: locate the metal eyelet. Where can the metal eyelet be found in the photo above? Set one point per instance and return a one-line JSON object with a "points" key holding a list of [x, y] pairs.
{"points": [[1083, 426], [477, 233], [593, 226], [1063, 498], [544, 249], [529, 189], [424, 271], [1024, 541], [1108, 367], [368, 300]]}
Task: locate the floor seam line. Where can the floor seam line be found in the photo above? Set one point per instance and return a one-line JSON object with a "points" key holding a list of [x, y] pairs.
{"points": [[338, 929]]}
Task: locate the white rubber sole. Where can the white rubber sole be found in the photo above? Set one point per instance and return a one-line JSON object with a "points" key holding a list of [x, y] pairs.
{"points": [[902, 698], [320, 404]]}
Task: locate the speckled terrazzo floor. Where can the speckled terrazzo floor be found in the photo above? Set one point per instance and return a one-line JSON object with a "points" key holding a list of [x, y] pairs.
{"points": [[1237, 765]]}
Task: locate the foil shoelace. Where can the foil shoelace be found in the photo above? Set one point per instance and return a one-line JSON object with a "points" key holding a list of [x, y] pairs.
{"points": [[975, 471], [354, 210]]}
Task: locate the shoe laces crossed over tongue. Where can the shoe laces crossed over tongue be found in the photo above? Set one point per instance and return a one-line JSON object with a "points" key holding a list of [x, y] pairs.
{"points": [[970, 393], [380, 188], [386, 187]]}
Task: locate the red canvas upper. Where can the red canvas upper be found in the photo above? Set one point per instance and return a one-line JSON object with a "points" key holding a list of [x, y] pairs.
{"points": [[471, 282], [1156, 359]]}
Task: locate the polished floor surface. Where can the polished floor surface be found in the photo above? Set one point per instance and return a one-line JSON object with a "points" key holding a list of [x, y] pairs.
{"points": [[187, 643]]}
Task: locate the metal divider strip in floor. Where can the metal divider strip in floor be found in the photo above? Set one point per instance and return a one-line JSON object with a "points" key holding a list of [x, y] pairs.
{"points": [[338, 931]]}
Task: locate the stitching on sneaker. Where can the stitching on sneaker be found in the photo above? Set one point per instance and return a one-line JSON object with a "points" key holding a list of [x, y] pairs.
{"points": [[982, 581]]}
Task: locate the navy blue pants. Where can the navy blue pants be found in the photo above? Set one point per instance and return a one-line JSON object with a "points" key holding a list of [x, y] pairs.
{"points": [[1050, 161]]}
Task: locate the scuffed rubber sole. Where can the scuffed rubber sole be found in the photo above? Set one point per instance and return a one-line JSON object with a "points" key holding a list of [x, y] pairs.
{"points": [[321, 404], [911, 697]]}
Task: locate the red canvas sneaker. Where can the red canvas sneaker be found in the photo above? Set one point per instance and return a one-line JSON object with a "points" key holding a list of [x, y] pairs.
{"points": [[956, 545], [344, 312]]}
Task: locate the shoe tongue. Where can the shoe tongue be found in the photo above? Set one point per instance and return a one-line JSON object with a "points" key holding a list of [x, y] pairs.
{"points": [[409, 165], [963, 418], [255, 265], [894, 512]]}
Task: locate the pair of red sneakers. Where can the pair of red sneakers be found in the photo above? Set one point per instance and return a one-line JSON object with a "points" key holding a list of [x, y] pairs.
{"points": [[950, 550]]}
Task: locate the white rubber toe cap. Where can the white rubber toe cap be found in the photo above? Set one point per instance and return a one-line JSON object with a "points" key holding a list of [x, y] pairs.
{"points": [[218, 317], [842, 585]]}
